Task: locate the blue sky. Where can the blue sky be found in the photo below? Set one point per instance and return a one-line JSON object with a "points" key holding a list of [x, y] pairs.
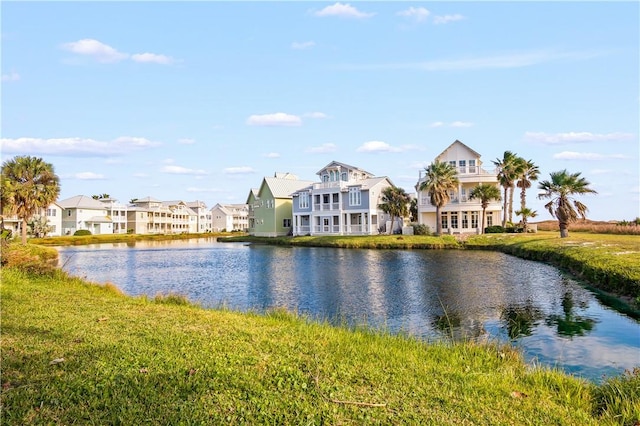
{"points": [[201, 100]]}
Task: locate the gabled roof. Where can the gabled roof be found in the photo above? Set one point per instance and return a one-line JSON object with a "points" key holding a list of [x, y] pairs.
{"points": [[196, 204], [457, 142], [81, 202], [252, 192], [283, 188], [99, 219], [173, 203], [343, 165], [371, 182], [147, 200]]}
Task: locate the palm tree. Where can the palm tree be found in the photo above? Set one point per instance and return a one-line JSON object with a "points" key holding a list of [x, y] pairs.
{"points": [[395, 202], [562, 206], [484, 192], [31, 184], [526, 213], [507, 175], [440, 178], [101, 197], [528, 172]]}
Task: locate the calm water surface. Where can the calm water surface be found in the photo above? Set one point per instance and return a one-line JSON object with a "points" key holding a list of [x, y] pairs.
{"points": [[426, 293]]}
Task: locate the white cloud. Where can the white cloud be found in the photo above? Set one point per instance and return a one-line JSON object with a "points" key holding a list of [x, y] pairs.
{"points": [[186, 141], [601, 171], [179, 170], [241, 170], [104, 53], [572, 155], [302, 45], [277, 119], [152, 58], [99, 51], [76, 147], [456, 124], [575, 137], [12, 76], [500, 61], [315, 115], [272, 155], [88, 176], [325, 148], [377, 146], [141, 175], [445, 19], [418, 14], [343, 11], [461, 124]]}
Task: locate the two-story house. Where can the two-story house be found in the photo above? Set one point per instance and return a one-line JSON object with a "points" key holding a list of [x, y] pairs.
{"points": [[461, 215], [230, 217], [271, 206], [82, 212], [203, 215], [345, 202]]}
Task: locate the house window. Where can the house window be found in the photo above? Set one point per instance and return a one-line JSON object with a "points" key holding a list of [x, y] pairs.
{"points": [[303, 200], [465, 220], [69, 213], [474, 220], [355, 197], [444, 220], [325, 178], [286, 223], [344, 176], [463, 166], [51, 212], [452, 164], [489, 218], [454, 220], [472, 166]]}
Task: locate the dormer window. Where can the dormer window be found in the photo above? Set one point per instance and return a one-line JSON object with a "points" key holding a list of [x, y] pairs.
{"points": [[325, 178], [344, 176]]}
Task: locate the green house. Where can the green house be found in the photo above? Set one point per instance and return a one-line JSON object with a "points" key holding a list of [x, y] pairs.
{"points": [[271, 206]]}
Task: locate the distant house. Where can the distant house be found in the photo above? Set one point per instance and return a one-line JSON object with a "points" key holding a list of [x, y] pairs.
{"points": [[53, 213], [82, 212], [271, 206], [150, 216], [183, 219], [461, 215], [252, 202], [203, 215], [344, 202], [230, 217]]}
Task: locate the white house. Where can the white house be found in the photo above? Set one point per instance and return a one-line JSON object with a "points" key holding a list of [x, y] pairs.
{"points": [[204, 218], [345, 202], [82, 212], [461, 215], [230, 217]]}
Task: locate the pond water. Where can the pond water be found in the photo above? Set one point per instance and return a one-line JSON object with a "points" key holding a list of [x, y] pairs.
{"points": [[431, 294]]}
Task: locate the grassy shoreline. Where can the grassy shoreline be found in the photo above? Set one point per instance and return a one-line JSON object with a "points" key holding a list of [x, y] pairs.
{"points": [[78, 353]]}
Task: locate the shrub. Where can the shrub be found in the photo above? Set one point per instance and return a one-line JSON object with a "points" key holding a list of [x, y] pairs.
{"points": [[495, 229], [421, 229], [28, 257], [81, 232]]}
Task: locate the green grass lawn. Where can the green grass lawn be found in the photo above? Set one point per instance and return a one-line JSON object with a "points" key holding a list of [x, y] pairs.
{"points": [[79, 353]]}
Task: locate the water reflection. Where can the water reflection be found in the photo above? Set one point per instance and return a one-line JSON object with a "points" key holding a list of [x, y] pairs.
{"points": [[429, 294]]}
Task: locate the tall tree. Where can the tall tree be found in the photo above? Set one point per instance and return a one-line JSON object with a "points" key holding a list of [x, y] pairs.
{"points": [[395, 202], [31, 184], [440, 178], [563, 206], [484, 192], [507, 176], [101, 197], [527, 173]]}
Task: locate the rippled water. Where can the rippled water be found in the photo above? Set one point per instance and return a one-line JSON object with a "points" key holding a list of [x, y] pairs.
{"points": [[425, 293]]}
